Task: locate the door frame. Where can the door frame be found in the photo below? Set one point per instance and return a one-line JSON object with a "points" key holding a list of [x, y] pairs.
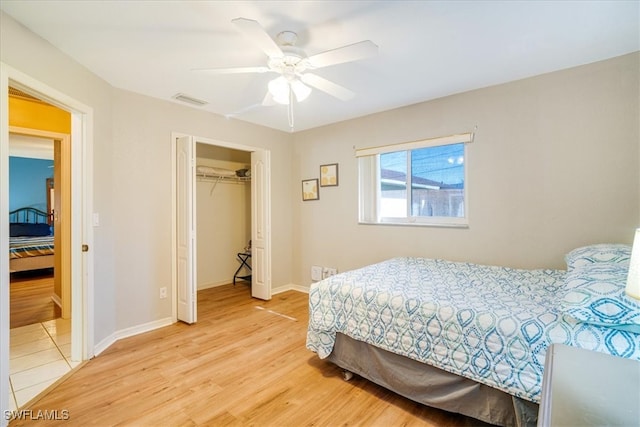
{"points": [[174, 223], [82, 277]]}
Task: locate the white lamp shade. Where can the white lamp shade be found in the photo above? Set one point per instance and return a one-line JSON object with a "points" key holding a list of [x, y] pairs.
{"points": [[280, 87], [301, 90], [633, 279]]}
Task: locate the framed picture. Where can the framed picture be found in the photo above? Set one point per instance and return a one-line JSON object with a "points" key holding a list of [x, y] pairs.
{"points": [[310, 189], [329, 175]]}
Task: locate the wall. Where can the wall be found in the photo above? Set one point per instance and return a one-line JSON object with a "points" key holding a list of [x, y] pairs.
{"points": [[142, 148], [28, 53], [27, 182], [554, 165], [223, 221]]}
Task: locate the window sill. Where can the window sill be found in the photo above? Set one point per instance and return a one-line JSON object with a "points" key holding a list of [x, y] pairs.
{"points": [[415, 224]]}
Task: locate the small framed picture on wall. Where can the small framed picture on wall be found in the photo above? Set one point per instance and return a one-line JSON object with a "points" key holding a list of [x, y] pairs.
{"points": [[310, 189], [329, 175]]}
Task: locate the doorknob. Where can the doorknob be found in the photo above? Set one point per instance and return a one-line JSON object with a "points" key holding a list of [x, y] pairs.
{"points": [[85, 248]]}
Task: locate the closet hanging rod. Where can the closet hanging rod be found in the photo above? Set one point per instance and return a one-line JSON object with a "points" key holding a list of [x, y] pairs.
{"points": [[222, 178]]}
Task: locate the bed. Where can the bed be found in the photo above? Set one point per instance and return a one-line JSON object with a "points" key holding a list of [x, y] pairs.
{"points": [[471, 338], [30, 240]]}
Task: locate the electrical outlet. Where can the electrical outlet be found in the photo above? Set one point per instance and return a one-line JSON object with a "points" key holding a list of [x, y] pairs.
{"points": [[316, 273], [328, 272], [163, 292]]}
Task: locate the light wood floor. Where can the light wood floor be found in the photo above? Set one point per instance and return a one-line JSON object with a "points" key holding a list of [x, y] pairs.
{"points": [[30, 298], [243, 363]]}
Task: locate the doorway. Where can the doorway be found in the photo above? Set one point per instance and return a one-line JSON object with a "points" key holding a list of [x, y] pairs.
{"points": [[40, 286], [185, 265], [80, 270], [32, 288], [40, 184], [223, 215]]}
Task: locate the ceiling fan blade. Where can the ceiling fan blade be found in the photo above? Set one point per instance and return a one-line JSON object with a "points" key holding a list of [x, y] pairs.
{"points": [[352, 52], [268, 100], [242, 111], [233, 70], [254, 31], [327, 86]]}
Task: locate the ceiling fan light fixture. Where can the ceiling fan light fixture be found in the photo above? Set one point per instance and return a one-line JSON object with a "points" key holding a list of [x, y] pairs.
{"points": [[292, 64], [279, 89], [301, 90]]}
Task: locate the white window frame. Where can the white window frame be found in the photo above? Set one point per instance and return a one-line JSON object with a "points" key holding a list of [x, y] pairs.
{"points": [[369, 196]]}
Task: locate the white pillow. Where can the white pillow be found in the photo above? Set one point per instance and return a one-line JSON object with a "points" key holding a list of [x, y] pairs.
{"points": [[603, 253], [596, 294]]}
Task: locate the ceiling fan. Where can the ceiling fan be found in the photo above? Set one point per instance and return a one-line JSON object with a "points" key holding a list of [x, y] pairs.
{"points": [[293, 65]]}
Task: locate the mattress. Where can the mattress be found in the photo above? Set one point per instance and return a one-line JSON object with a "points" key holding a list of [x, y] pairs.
{"points": [[486, 323], [25, 247]]}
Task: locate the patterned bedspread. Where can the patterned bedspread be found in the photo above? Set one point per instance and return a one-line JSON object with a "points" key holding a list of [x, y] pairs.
{"points": [[490, 324], [23, 247]]}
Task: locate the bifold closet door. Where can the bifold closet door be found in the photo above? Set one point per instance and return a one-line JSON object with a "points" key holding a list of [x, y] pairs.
{"points": [[185, 233]]}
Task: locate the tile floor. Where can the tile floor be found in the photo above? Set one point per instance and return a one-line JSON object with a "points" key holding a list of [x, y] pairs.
{"points": [[39, 355]]}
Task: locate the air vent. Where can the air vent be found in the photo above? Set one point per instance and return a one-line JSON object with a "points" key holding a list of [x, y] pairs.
{"points": [[17, 93], [189, 99]]}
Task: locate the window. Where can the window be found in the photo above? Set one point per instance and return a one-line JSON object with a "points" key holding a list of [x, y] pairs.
{"points": [[421, 182]]}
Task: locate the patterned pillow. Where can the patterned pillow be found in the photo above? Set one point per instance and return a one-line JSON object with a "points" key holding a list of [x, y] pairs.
{"points": [[596, 295], [610, 253]]}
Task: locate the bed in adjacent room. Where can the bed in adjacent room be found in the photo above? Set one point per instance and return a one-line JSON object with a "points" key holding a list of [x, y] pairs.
{"points": [[31, 244], [471, 338]]}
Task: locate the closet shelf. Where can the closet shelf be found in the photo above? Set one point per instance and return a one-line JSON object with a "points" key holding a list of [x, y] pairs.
{"points": [[222, 178], [215, 174]]}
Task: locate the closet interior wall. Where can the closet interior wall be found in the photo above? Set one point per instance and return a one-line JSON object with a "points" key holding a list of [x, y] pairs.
{"points": [[223, 215]]}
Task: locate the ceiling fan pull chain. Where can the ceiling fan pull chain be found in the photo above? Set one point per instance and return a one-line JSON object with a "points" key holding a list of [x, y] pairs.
{"points": [[290, 109]]}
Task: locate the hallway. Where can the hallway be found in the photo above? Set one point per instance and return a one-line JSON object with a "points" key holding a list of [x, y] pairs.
{"points": [[39, 339], [39, 355]]}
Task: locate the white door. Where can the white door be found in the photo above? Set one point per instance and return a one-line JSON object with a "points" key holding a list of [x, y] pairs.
{"points": [[260, 225], [185, 233]]}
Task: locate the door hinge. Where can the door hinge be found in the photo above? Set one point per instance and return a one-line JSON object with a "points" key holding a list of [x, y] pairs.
{"points": [[85, 248]]}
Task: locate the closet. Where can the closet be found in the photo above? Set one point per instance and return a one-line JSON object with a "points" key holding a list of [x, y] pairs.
{"points": [[223, 212]]}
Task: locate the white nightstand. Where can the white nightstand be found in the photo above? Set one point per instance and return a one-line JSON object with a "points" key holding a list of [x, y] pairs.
{"points": [[588, 388]]}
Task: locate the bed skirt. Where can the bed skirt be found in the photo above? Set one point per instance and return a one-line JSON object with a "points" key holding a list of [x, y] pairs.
{"points": [[432, 386]]}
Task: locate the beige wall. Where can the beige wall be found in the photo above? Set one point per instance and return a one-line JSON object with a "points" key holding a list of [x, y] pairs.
{"points": [[554, 165], [22, 50], [142, 147]]}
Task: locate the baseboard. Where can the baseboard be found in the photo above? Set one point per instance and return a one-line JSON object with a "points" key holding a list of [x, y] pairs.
{"points": [[289, 287], [56, 300], [213, 285], [129, 332]]}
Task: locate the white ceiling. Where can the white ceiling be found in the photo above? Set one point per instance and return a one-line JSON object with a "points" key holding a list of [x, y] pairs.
{"points": [[427, 49]]}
